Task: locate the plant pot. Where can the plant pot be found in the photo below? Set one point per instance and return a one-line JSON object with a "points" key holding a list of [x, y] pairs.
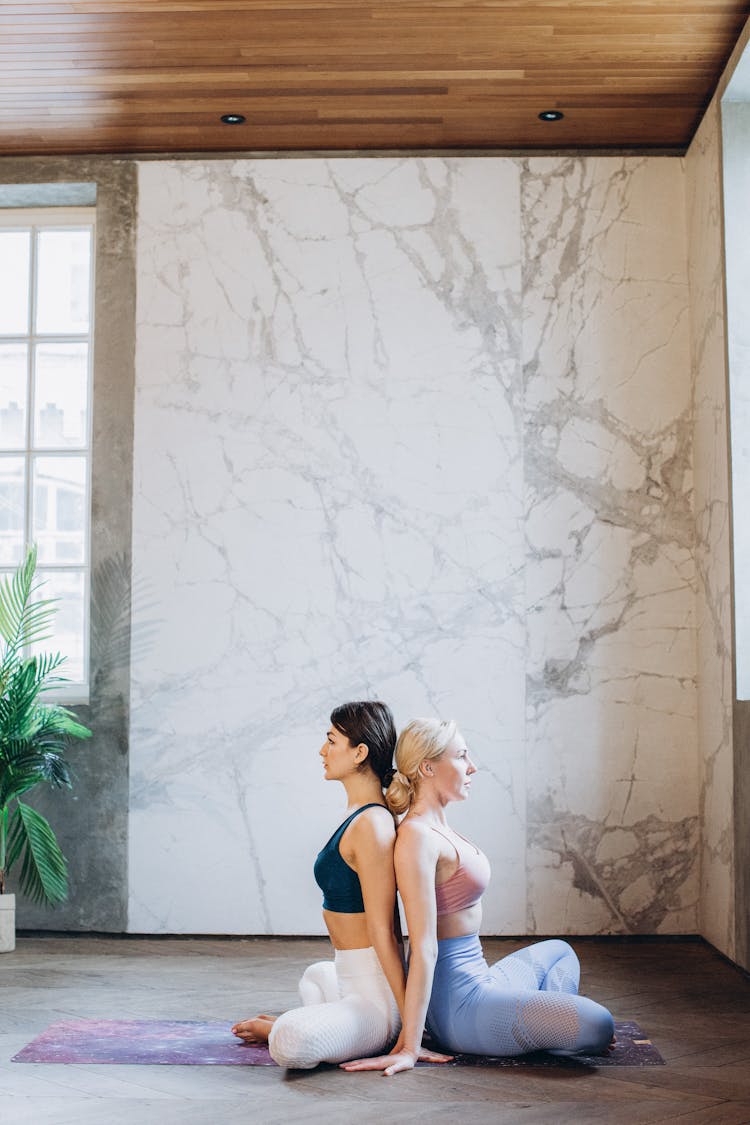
{"points": [[7, 923]]}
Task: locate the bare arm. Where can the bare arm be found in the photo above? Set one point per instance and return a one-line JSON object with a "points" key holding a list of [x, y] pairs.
{"points": [[372, 857], [416, 858]]}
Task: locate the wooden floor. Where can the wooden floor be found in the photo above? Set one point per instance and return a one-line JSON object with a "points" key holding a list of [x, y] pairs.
{"points": [[692, 1003]]}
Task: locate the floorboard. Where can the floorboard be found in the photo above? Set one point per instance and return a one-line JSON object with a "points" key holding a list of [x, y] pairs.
{"points": [[693, 1004]]}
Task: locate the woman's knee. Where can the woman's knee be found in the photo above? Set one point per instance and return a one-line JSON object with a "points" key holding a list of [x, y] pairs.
{"points": [[597, 1027], [552, 950], [304, 1037], [292, 1041], [318, 984], [562, 948], [564, 969]]}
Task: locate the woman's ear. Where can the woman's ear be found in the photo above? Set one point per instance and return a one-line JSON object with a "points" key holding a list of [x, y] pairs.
{"points": [[361, 752], [425, 769]]}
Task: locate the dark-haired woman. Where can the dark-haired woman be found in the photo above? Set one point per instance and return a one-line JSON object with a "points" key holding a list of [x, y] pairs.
{"points": [[351, 1005], [525, 1002]]}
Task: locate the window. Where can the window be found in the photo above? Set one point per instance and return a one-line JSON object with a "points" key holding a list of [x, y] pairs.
{"points": [[46, 352], [735, 113]]}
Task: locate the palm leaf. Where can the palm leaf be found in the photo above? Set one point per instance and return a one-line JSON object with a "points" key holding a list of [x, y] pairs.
{"points": [[31, 763], [40, 754], [58, 723], [44, 872], [47, 663], [33, 737], [18, 706], [20, 775], [23, 619]]}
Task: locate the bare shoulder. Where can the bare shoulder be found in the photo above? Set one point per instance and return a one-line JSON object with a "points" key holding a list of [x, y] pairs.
{"points": [[414, 835], [375, 824]]}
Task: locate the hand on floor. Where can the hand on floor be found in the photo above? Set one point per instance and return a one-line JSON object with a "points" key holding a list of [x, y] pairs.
{"points": [[396, 1061]]}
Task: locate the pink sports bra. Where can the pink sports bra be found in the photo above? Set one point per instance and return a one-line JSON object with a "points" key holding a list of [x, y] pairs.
{"points": [[468, 882]]}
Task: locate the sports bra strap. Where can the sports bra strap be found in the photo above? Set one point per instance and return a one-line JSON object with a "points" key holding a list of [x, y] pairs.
{"points": [[338, 881], [447, 838]]}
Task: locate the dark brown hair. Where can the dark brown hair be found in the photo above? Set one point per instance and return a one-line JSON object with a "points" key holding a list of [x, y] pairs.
{"points": [[371, 723]]}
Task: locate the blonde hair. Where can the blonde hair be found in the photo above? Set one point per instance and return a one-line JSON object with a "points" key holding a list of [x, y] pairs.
{"points": [[421, 740]]}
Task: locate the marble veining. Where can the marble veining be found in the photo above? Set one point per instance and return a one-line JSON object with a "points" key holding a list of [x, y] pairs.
{"points": [[333, 503], [610, 581], [712, 554], [418, 429]]}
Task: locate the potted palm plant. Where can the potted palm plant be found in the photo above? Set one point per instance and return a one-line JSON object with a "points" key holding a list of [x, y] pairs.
{"points": [[34, 736]]}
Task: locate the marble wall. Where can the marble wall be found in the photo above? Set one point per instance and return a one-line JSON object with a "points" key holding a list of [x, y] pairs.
{"points": [[610, 734], [712, 548], [417, 429]]}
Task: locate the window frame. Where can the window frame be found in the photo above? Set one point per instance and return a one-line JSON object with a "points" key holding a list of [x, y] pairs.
{"points": [[35, 219]]}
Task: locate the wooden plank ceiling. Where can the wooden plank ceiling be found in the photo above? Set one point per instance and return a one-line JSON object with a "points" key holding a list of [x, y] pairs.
{"points": [[145, 76]]}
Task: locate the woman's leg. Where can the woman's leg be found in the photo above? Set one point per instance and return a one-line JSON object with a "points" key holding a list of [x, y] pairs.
{"points": [[319, 984], [502, 1021], [505, 1010], [551, 966], [362, 1022]]}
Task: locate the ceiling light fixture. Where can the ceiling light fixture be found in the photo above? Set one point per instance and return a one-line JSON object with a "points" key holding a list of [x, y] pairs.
{"points": [[232, 118], [551, 115]]}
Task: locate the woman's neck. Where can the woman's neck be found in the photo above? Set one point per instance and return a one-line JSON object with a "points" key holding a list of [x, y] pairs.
{"points": [[362, 789], [429, 807]]}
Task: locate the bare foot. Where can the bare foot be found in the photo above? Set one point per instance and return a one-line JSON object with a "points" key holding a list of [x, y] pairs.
{"points": [[255, 1030]]}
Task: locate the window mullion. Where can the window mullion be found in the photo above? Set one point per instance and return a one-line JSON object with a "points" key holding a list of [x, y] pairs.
{"points": [[30, 362], [59, 484]]}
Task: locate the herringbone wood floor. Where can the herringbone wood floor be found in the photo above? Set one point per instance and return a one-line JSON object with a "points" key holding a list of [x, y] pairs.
{"points": [[693, 1004]]}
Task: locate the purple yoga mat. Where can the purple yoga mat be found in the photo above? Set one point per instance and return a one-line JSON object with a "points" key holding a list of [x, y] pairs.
{"points": [[189, 1043], [633, 1048], [164, 1042]]}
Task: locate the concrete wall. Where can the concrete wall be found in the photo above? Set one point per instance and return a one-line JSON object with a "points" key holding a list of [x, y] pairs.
{"points": [[91, 821]]}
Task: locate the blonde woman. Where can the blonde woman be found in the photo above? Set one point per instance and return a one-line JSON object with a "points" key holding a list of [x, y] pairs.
{"points": [[529, 1000]]}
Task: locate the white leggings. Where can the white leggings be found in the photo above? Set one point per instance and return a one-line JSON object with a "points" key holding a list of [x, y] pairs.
{"points": [[349, 1012]]}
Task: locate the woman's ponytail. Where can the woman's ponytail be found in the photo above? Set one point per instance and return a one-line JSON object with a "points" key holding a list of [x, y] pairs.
{"points": [[400, 794]]}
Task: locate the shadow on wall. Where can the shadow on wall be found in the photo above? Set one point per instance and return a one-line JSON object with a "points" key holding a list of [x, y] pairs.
{"points": [[115, 639]]}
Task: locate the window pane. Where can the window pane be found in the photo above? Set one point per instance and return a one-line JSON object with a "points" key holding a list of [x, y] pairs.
{"points": [[63, 281], [12, 494], [14, 282], [60, 393], [67, 624], [12, 396], [59, 508]]}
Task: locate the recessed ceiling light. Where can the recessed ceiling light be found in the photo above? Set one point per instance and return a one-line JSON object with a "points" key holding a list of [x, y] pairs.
{"points": [[232, 118], [551, 115]]}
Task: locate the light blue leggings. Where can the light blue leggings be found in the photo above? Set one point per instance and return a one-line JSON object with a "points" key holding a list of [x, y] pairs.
{"points": [[528, 1001]]}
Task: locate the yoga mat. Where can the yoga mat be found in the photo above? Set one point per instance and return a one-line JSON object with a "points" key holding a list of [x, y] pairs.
{"points": [[190, 1043], [163, 1042], [633, 1048]]}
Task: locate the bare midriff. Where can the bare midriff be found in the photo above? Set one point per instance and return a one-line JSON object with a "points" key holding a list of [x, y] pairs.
{"points": [[347, 931], [460, 923]]}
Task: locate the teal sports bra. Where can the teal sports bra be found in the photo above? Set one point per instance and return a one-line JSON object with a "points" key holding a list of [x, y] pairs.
{"points": [[337, 880]]}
